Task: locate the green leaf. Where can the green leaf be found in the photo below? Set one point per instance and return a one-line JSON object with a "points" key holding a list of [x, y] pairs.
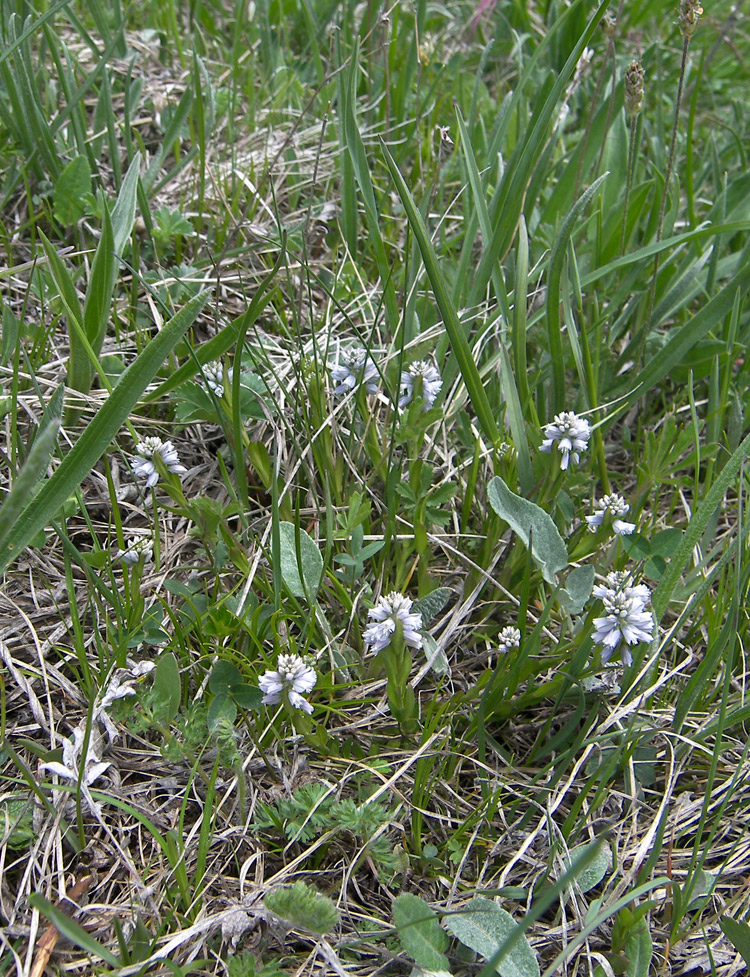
{"points": [[123, 212], [247, 696], [34, 468], [578, 586], [527, 519], [639, 949], [420, 932], [73, 184], [483, 926], [554, 329], [432, 604], [223, 676], [73, 931], [453, 327], [167, 687], [439, 661], [97, 437], [696, 527], [221, 708], [301, 576], [596, 869], [738, 934], [304, 907]]}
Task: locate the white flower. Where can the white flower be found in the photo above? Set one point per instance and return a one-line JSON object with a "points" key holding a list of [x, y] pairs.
{"points": [[144, 466], [618, 581], [387, 613], [431, 383], [355, 368], [615, 506], [213, 376], [509, 637], [293, 677], [93, 767], [570, 433], [138, 548], [626, 616]]}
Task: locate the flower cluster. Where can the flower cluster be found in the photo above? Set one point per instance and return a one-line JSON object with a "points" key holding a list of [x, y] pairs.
{"points": [[390, 611], [508, 638], [570, 434], [626, 616], [213, 376], [431, 382], [294, 678], [355, 368], [139, 548], [613, 506], [146, 451]]}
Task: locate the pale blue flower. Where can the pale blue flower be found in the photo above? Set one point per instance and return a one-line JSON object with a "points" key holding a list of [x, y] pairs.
{"points": [[570, 434], [389, 610], [613, 506], [431, 383], [293, 677]]}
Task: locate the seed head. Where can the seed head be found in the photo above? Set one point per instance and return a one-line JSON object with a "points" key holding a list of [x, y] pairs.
{"points": [[690, 13], [634, 91]]}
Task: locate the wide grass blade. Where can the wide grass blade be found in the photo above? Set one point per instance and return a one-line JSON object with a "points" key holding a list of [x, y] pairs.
{"points": [[34, 468], [99, 434]]}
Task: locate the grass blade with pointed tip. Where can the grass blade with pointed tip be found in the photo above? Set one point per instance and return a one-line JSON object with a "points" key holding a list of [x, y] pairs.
{"points": [[554, 277], [696, 527], [70, 929], [99, 434], [33, 469], [453, 327]]}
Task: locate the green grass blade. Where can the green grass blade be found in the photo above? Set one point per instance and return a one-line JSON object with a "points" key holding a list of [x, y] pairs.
{"points": [[115, 233], [34, 468], [696, 527], [509, 200], [688, 336], [99, 434], [80, 367], [358, 155], [453, 327], [101, 284], [223, 341], [72, 930], [554, 278]]}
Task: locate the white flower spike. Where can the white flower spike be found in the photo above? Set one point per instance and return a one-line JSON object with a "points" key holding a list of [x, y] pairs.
{"points": [[293, 677], [213, 377], [626, 616], [570, 433], [615, 507], [355, 368], [509, 637], [431, 383], [144, 466], [138, 548], [388, 611]]}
